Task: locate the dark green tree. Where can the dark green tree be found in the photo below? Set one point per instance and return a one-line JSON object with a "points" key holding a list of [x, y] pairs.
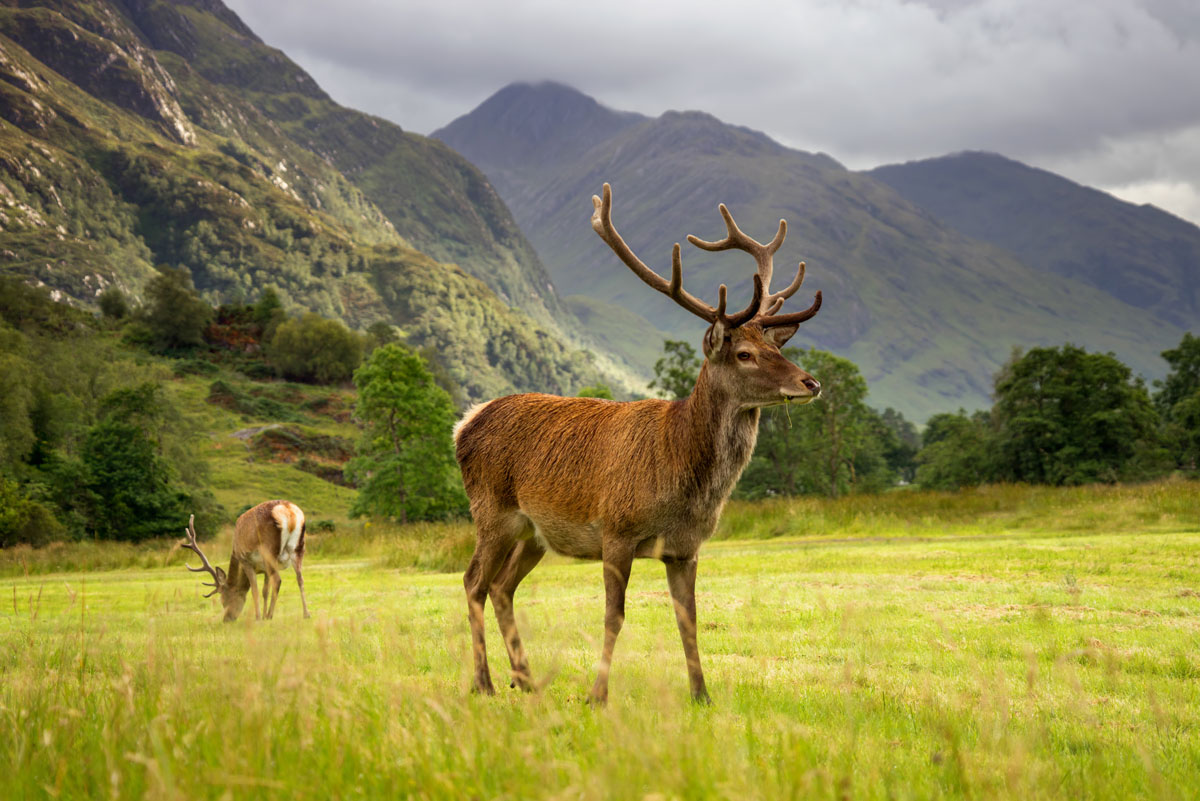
{"points": [[958, 451], [174, 315], [313, 348], [405, 467], [129, 488], [1184, 379], [831, 446], [901, 442], [675, 373], [1066, 416], [113, 304], [1178, 401]]}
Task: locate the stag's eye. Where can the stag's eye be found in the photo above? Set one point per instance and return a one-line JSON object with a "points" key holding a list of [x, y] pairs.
{"points": [[744, 355]]}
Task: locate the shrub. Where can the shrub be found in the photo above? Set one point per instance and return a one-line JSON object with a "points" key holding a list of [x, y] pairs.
{"points": [[313, 348]]}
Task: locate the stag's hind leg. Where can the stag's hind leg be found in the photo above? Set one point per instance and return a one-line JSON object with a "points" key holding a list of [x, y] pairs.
{"points": [[496, 540], [296, 560], [521, 559]]}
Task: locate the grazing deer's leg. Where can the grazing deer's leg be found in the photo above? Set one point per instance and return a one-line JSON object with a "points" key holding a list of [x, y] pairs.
{"points": [[254, 591], [300, 581], [276, 582], [681, 579], [523, 558], [490, 551], [266, 595], [618, 561]]}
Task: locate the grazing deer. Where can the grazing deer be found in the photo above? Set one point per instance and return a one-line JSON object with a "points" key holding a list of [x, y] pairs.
{"points": [[598, 479], [266, 538]]}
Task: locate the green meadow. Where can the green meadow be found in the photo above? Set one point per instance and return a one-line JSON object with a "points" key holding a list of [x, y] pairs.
{"points": [[1010, 642]]}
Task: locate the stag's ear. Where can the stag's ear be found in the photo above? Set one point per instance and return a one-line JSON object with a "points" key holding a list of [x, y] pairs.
{"points": [[714, 340], [220, 575], [779, 335]]}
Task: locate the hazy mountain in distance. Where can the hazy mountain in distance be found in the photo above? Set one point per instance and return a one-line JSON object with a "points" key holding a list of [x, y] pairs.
{"points": [[928, 312], [1140, 254]]}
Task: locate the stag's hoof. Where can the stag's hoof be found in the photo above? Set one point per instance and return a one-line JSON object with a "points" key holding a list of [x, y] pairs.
{"points": [[701, 698], [483, 686]]}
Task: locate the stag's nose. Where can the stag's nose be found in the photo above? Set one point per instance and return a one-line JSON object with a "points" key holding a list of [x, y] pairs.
{"points": [[813, 386]]}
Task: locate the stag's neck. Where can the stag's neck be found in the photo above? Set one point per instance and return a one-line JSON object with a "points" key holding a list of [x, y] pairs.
{"points": [[718, 437]]}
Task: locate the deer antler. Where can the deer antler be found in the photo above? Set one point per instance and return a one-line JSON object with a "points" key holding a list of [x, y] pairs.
{"points": [[764, 257], [192, 546], [603, 225]]}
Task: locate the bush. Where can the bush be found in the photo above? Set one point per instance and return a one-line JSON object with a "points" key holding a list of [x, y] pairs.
{"points": [[312, 348], [174, 317]]}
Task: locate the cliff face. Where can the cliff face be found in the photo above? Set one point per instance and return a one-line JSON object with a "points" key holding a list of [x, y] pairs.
{"points": [[138, 133]]}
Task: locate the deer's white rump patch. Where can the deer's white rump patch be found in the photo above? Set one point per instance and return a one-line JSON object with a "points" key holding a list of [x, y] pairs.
{"points": [[467, 417], [291, 523]]}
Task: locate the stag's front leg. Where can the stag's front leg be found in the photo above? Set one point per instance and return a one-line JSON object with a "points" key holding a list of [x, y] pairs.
{"points": [[254, 591], [681, 579], [276, 582], [618, 561]]}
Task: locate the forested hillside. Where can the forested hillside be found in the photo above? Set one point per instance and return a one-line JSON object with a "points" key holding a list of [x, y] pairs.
{"points": [[137, 134]]}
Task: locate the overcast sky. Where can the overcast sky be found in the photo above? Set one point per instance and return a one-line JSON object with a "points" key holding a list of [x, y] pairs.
{"points": [[1105, 92]]}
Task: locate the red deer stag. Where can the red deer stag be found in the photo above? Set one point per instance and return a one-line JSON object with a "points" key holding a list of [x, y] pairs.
{"points": [[268, 537], [598, 479]]}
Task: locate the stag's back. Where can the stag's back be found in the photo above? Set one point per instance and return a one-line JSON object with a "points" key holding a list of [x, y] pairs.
{"points": [[570, 455]]}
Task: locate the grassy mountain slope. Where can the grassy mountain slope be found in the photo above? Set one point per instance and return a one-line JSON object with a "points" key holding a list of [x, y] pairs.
{"points": [[1140, 254], [435, 198], [928, 313], [115, 157]]}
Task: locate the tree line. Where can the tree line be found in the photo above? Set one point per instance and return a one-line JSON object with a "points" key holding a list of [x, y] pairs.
{"points": [[1061, 416]]}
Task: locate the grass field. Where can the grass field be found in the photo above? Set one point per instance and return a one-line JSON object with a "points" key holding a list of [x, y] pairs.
{"points": [[1011, 643]]}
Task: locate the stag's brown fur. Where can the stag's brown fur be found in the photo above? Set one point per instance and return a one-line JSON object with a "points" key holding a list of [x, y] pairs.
{"points": [[597, 479], [266, 538]]}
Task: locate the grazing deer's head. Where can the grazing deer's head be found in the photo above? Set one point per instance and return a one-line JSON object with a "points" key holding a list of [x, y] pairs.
{"points": [[233, 598], [742, 357]]}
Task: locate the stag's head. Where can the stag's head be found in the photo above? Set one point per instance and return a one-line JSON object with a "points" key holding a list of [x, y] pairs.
{"points": [[741, 350], [233, 598]]}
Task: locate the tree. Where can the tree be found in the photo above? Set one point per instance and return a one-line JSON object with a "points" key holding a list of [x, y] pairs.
{"points": [[596, 391], [958, 451], [1184, 379], [17, 400], [675, 373], [130, 489], [113, 304], [1066, 416], [831, 446], [405, 466], [901, 443], [268, 312], [1178, 401], [174, 315], [313, 348]]}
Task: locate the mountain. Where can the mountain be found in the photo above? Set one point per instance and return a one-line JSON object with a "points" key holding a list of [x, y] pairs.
{"points": [[1140, 254], [142, 132], [929, 313]]}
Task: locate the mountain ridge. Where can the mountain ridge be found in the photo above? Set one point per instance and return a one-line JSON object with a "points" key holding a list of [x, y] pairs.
{"points": [[929, 313]]}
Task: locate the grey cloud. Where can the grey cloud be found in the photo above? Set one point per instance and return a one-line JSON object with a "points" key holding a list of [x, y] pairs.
{"points": [[1090, 84]]}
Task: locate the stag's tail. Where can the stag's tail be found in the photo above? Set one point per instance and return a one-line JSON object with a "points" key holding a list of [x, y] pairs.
{"points": [[290, 520]]}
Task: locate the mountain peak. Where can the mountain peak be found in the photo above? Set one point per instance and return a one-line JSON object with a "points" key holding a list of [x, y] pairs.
{"points": [[548, 119]]}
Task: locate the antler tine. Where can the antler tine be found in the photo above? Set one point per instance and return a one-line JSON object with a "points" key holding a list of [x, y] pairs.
{"points": [[205, 567], [746, 314], [602, 224], [771, 321], [784, 293], [764, 255]]}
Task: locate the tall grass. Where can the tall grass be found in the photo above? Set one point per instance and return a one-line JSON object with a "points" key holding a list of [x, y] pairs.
{"points": [[1169, 505]]}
